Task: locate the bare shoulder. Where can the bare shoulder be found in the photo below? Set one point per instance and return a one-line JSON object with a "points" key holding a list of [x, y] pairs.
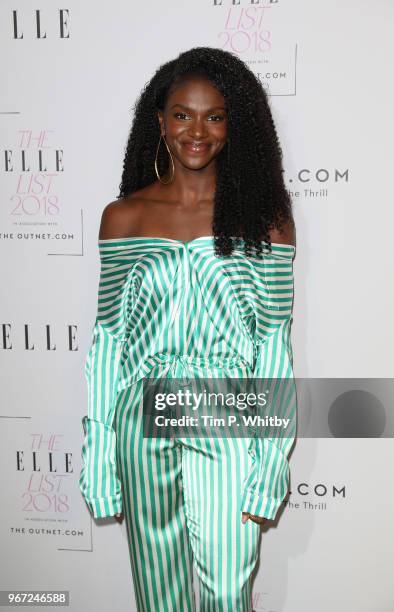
{"points": [[120, 218], [286, 235]]}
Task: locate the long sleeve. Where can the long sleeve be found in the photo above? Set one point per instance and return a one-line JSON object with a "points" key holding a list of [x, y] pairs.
{"points": [[99, 481], [267, 484]]}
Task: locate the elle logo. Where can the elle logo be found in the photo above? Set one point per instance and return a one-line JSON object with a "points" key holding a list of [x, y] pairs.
{"points": [[69, 338], [20, 23]]}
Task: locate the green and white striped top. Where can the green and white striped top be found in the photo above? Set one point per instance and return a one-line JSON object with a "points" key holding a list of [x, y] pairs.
{"points": [[163, 303]]}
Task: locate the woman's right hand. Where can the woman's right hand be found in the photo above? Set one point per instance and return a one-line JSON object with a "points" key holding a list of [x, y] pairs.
{"points": [[119, 517]]}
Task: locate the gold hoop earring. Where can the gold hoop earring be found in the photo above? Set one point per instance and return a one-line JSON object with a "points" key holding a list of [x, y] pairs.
{"points": [[172, 162]]}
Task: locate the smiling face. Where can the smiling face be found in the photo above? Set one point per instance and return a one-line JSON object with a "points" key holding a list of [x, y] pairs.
{"points": [[194, 123]]}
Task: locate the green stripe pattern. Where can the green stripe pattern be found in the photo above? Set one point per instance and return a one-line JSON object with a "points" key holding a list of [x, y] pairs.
{"points": [[173, 308]]}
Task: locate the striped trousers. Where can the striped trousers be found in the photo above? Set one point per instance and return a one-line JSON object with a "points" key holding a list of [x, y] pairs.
{"points": [[181, 503]]}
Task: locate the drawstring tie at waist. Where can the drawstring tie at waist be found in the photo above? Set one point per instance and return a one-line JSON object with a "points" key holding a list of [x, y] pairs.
{"points": [[180, 364]]}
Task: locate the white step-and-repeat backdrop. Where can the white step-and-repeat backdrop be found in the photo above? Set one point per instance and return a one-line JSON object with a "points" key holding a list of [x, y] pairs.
{"points": [[70, 75]]}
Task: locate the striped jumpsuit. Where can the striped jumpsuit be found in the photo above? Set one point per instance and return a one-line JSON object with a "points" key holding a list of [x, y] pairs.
{"points": [[169, 308]]}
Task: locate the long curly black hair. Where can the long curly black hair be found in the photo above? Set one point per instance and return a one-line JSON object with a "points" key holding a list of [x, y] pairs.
{"points": [[250, 195]]}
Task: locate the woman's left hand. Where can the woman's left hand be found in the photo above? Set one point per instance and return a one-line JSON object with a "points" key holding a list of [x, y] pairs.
{"points": [[256, 519]]}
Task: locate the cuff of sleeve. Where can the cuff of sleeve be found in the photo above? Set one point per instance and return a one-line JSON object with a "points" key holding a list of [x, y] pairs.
{"points": [[98, 480], [104, 507], [260, 505]]}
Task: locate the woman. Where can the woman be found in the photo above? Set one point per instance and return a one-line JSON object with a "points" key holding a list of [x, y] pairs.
{"points": [[196, 281]]}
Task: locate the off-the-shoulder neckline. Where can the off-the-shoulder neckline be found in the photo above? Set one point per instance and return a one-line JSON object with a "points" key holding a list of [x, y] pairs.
{"points": [[104, 241]]}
